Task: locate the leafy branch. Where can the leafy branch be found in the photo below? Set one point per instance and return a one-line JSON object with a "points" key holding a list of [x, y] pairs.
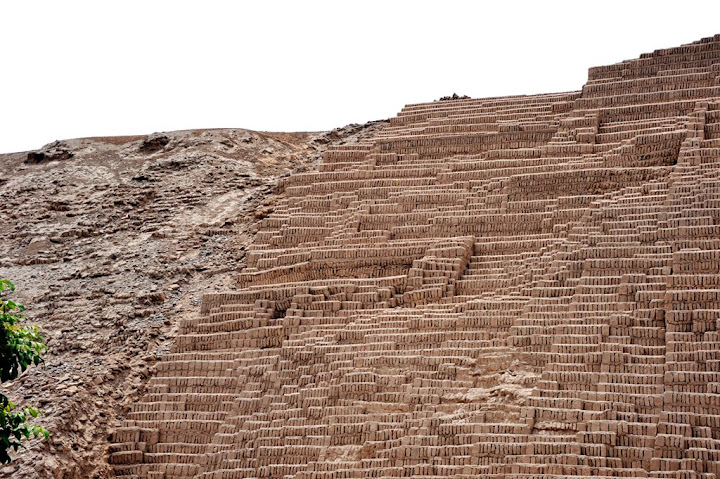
{"points": [[20, 347]]}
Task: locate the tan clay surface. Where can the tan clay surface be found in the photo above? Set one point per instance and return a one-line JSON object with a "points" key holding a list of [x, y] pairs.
{"points": [[508, 287]]}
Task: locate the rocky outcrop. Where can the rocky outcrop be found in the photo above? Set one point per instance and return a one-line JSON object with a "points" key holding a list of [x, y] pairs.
{"points": [[56, 151]]}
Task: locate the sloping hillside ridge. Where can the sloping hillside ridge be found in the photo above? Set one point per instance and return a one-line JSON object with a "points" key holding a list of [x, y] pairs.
{"points": [[507, 287], [112, 242]]}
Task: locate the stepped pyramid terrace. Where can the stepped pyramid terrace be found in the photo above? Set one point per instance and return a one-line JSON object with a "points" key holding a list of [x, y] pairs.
{"points": [[515, 287]]}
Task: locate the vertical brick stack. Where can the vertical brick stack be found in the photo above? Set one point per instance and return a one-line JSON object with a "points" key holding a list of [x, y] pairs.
{"points": [[509, 287]]}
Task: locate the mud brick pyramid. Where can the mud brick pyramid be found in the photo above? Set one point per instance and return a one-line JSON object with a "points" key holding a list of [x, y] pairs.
{"points": [[524, 286]]}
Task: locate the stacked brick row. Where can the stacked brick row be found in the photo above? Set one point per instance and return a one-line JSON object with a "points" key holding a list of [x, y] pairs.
{"points": [[507, 287]]}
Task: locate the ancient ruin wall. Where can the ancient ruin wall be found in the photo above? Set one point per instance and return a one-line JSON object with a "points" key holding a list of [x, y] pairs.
{"points": [[508, 287]]}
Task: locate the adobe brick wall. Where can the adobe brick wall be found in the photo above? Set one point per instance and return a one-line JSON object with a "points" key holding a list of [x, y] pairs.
{"points": [[508, 287]]}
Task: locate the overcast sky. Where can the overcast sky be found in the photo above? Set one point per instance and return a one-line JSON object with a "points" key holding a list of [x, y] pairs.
{"points": [[73, 69]]}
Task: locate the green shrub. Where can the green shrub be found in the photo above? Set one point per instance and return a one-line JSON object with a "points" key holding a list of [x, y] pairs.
{"points": [[20, 348]]}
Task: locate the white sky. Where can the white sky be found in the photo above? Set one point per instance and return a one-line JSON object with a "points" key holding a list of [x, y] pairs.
{"points": [[73, 69]]}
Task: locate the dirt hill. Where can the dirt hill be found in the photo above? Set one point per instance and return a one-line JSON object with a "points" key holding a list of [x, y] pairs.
{"points": [[112, 243]]}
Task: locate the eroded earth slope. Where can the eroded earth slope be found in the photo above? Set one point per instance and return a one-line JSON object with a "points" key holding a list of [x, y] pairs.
{"points": [[112, 242]]}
